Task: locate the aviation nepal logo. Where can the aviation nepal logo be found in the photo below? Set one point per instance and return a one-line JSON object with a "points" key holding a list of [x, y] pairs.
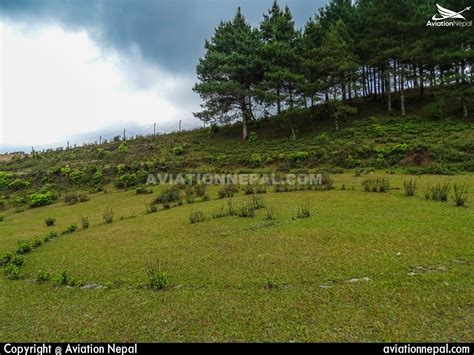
{"points": [[445, 17]]}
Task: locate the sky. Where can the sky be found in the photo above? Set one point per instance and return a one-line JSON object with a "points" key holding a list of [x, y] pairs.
{"points": [[74, 70]]}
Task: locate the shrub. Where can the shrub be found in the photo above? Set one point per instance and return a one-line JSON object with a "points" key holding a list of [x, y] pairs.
{"points": [[69, 230], [127, 180], [41, 199], [108, 216], [50, 221], [24, 247], [269, 216], [409, 187], [61, 279], [50, 236], [157, 279], [6, 258], [2, 217], [228, 191], [200, 190], [12, 272], [17, 185], [256, 202], [122, 148], [255, 160], [459, 194], [168, 195], [16, 260], [151, 208], [246, 211], [74, 197], [42, 276], [37, 243], [248, 189], [196, 217], [85, 222], [252, 137], [141, 190], [261, 189], [303, 211], [178, 150], [376, 185]]}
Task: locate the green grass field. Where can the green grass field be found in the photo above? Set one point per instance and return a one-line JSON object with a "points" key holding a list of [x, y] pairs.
{"points": [[363, 267]]}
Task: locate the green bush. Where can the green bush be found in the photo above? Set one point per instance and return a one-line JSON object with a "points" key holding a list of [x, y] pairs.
{"points": [[37, 243], [2, 217], [12, 272], [255, 160], [151, 208], [50, 221], [16, 260], [168, 195], [41, 199], [69, 230], [228, 190], [24, 247], [42, 276], [438, 192], [61, 279], [122, 148], [127, 180], [71, 198], [6, 258], [157, 279], [178, 150], [18, 184], [50, 236]]}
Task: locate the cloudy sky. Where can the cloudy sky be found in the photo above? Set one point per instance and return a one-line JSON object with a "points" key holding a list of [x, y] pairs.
{"points": [[77, 69]]}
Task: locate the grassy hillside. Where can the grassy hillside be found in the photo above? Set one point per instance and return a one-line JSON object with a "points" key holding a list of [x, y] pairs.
{"points": [[362, 267], [335, 263]]}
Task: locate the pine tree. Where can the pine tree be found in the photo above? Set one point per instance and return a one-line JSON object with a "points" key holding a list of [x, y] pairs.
{"points": [[229, 73]]}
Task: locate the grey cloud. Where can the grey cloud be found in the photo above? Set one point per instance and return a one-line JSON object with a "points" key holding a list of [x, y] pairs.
{"points": [[168, 33]]}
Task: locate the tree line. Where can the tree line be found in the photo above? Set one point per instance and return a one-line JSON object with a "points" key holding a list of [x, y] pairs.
{"points": [[370, 48]]}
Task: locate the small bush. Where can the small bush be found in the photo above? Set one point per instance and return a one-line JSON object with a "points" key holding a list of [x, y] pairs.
{"points": [[269, 216], [256, 202], [6, 258], [178, 150], [303, 211], [248, 190], [12, 272], [108, 216], [196, 217], [85, 222], [168, 195], [157, 279], [61, 279], [151, 208], [50, 236], [50, 221], [459, 194], [261, 189], [16, 260], [122, 148], [200, 190], [376, 185], [228, 191], [246, 211], [2, 217], [142, 190], [272, 283], [409, 187], [37, 243], [24, 247], [71, 198], [42, 276], [69, 230]]}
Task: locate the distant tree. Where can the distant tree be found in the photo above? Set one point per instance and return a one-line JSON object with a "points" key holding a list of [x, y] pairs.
{"points": [[279, 53], [229, 73]]}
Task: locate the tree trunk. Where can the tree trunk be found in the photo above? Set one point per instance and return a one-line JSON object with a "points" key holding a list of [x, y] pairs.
{"points": [[278, 101], [464, 107], [388, 90], [402, 95], [422, 85], [244, 126]]}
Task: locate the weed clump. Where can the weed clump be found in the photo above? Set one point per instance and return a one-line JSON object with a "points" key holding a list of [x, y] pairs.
{"points": [[459, 194], [196, 217], [303, 211], [409, 187], [108, 216], [376, 185], [157, 279], [438, 192]]}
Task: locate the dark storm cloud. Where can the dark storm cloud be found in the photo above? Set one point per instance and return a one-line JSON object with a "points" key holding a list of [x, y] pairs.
{"points": [[167, 33]]}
